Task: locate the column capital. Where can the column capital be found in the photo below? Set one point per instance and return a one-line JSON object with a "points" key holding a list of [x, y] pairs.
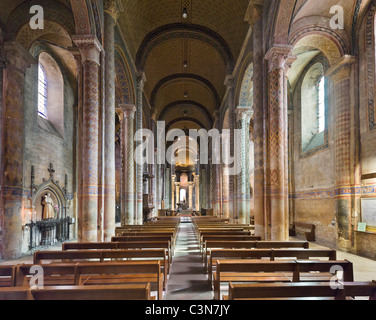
{"points": [[229, 82], [17, 57], [89, 47], [244, 113], [111, 8], [127, 110], [341, 70], [279, 57], [141, 79], [254, 11]]}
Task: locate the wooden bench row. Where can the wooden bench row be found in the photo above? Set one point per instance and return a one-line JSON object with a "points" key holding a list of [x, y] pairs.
{"points": [[102, 292], [311, 291], [270, 254], [90, 273], [209, 245], [279, 271]]}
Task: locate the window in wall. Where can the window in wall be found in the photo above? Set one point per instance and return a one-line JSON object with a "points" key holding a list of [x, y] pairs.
{"points": [[42, 92], [313, 108], [321, 105], [50, 95]]}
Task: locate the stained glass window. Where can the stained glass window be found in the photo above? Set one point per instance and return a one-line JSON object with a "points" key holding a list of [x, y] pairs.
{"points": [[42, 92]]}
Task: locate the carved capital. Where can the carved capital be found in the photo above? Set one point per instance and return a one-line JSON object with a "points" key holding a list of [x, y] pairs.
{"points": [[89, 46], [279, 57], [128, 110], [244, 113], [229, 82], [111, 8], [141, 79], [254, 12], [17, 57]]}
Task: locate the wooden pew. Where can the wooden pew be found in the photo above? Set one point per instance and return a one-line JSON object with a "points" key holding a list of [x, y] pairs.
{"points": [[272, 254], [112, 273], [7, 276], [142, 245], [310, 291], [208, 245], [15, 293], [146, 238], [154, 234], [106, 292], [158, 255], [225, 237], [278, 271], [121, 273], [100, 292], [305, 230]]}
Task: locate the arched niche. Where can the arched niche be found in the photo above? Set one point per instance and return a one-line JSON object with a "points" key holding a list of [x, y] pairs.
{"points": [[58, 196]]}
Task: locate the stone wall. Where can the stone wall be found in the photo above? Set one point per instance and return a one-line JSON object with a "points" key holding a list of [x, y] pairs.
{"points": [[313, 175], [44, 145]]}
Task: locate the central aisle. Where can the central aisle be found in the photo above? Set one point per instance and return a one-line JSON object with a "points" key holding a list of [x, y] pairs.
{"points": [[187, 280]]}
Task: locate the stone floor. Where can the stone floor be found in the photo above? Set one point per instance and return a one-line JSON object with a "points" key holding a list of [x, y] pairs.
{"points": [[188, 280]]}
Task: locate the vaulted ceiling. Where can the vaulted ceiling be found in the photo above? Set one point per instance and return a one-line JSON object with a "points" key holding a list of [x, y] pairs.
{"points": [[185, 60]]}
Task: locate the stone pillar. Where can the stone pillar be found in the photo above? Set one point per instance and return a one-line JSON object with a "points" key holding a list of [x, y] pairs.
{"points": [[340, 75], [217, 174], [244, 115], [141, 79], [197, 188], [127, 148], [2, 66], [256, 21], [18, 60], [230, 179], [109, 213], [90, 50], [190, 195], [173, 207], [177, 193], [167, 187], [277, 153], [77, 147], [153, 170]]}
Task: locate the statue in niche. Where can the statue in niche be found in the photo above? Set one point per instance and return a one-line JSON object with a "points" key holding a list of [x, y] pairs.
{"points": [[48, 207]]}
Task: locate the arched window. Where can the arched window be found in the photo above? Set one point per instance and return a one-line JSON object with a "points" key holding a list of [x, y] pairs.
{"points": [[321, 105], [314, 108], [50, 95], [42, 92]]}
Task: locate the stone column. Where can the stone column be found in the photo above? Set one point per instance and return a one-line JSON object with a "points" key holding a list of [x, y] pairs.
{"points": [[109, 213], [2, 66], [127, 148], [256, 21], [173, 207], [277, 153], [190, 195], [90, 50], [230, 179], [167, 187], [141, 79], [340, 75], [197, 188], [177, 193], [77, 146], [18, 60], [244, 115], [153, 169], [217, 174]]}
